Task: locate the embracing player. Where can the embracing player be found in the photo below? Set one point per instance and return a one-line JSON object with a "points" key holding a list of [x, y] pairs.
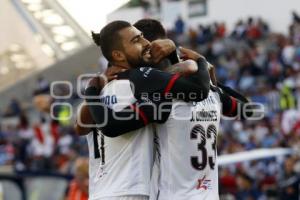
{"points": [[204, 132], [123, 164], [186, 156]]}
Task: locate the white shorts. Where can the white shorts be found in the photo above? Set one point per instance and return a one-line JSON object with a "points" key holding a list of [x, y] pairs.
{"points": [[130, 197]]}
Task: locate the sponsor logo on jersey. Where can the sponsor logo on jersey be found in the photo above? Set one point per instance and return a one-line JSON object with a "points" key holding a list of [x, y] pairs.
{"points": [[146, 71], [203, 184], [109, 100], [100, 173]]}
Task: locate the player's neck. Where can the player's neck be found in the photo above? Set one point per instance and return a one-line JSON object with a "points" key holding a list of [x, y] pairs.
{"points": [[121, 65]]}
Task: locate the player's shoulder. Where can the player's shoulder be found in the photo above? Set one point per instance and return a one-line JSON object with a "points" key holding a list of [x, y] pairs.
{"points": [[144, 71], [118, 94]]}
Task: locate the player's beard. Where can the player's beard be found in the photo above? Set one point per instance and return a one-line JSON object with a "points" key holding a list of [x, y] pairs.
{"points": [[136, 62]]}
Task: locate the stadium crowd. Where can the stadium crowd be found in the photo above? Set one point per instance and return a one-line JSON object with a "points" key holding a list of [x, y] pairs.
{"points": [[263, 65]]}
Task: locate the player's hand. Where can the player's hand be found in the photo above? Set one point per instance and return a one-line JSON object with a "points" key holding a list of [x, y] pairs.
{"points": [[189, 54], [161, 48], [212, 74], [100, 80], [112, 73]]}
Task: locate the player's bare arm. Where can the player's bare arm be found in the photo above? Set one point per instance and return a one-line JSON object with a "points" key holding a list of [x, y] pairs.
{"points": [[83, 118]]}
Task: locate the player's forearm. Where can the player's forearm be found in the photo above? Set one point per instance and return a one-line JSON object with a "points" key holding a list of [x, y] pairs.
{"points": [[185, 68], [83, 119], [198, 75], [79, 130], [190, 90], [201, 78], [232, 107], [233, 92]]}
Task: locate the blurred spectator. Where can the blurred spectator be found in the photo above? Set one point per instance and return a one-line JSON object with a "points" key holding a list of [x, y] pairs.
{"points": [[228, 182], [6, 148], [288, 52], [78, 188], [287, 99], [295, 29], [296, 17], [240, 30], [26, 135], [13, 109], [42, 147], [274, 67], [289, 182], [179, 26], [193, 38], [246, 190], [43, 102], [42, 86], [220, 30], [289, 120], [253, 30]]}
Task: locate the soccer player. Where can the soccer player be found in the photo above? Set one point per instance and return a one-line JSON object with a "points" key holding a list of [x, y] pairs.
{"points": [[122, 167], [212, 130], [187, 140]]}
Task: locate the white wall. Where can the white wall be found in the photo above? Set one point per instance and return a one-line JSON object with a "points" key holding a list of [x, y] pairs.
{"points": [[91, 14], [128, 14]]}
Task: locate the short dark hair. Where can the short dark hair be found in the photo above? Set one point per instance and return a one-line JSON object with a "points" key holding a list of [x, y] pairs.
{"points": [[151, 28], [109, 39]]}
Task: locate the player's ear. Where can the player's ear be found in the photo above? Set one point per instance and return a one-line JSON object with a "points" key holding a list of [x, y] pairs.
{"points": [[118, 56]]}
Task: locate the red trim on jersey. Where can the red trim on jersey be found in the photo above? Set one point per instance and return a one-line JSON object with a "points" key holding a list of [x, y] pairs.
{"points": [[171, 83], [233, 106], [141, 114]]}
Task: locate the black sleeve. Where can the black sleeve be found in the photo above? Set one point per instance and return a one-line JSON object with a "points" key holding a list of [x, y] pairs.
{"points": [[232, 92], [202, 77], [231, 106], [150, 81], [134, 116], [106, 119]]}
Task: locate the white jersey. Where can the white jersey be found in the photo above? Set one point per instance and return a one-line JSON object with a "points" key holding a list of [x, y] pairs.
{"points": [[125, 162], [187, 164]]}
